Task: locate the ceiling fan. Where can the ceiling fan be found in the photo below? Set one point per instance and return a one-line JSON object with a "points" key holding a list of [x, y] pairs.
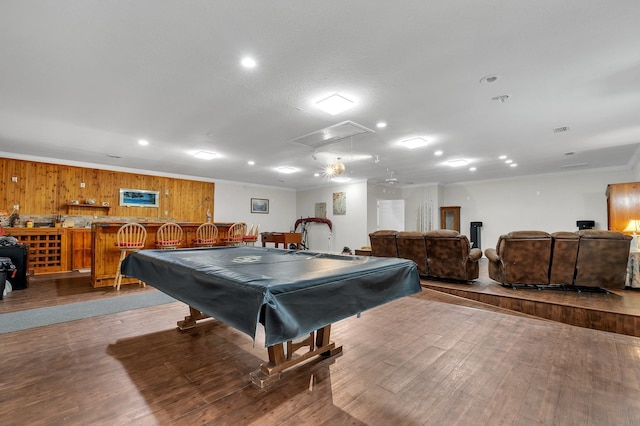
{"points": [[391, 180]]}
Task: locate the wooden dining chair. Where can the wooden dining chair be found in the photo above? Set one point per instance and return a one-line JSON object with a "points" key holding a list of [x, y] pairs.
{"points": [[206, 235], [252, 235], [235, 235], [169, 236], [130, 237]]}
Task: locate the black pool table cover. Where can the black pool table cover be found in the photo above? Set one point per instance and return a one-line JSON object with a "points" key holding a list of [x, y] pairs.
{"points": [[290, 292]]}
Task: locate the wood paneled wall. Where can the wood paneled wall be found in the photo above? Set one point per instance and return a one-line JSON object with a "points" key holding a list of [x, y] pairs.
{"points": [[47, 189]]}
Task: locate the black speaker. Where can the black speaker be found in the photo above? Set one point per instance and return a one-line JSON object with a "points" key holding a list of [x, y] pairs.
{"points": [[18, 256], [475, 234], [585, 224]]}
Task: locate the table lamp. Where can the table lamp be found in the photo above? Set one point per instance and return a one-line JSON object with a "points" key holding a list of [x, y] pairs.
{"points": [[634, 227]]}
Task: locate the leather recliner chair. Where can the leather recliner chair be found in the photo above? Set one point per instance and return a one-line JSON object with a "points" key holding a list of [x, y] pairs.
{"points": [[520, 257], [602, 259], [411, 245], [450, 256], [383, 243]]}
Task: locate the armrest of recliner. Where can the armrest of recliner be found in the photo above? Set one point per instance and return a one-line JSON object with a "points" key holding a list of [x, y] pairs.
{"points": [[475, 254], [492, 255]]}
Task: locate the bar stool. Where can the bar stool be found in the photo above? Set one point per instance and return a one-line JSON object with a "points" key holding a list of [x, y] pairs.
{"points": [[130, 237], [235, 235], [168, 236], [206, 235]]}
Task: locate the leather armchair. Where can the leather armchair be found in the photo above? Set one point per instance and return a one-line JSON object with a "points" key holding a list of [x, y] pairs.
{"points": [[383, 243], [602, 259], [450, 256], [411, 245], [520, 257]]}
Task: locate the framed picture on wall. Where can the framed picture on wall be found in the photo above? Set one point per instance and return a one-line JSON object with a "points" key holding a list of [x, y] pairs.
{"points": [[259, 205], [139, 198]]}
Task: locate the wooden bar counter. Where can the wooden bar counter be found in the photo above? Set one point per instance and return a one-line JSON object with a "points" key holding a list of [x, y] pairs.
{"points": [[105, 255]]}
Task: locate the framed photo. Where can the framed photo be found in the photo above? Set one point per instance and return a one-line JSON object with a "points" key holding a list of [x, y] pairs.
{"points": [[139, 198], [259, 205]]}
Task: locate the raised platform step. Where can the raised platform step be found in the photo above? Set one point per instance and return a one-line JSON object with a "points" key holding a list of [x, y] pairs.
{"points": [[617, 311]]}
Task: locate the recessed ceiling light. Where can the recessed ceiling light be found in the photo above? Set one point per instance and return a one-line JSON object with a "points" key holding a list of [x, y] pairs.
{"points": [[341, 179], [334, 104], [514, 165], [503, 157], [143, 142], [438, 153], [316, 174], [509, 161], [472, 169], [206, 155], [251, 162], [414, 143], [248, 62], [381, 125], [457, 163], [286, 169]]}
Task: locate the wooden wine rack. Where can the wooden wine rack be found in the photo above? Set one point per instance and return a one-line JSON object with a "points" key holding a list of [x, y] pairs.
{"points": [[47, 248]]}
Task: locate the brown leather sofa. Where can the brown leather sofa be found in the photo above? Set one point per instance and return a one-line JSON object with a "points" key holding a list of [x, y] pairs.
{"points": [[411, 245], [383, 243], [450, 256], [442, 254], [520, 257], [587, 258], [602, 259], [564, 254]]}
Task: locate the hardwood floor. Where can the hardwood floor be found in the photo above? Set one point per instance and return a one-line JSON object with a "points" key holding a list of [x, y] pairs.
{"points": [[431, 358]]}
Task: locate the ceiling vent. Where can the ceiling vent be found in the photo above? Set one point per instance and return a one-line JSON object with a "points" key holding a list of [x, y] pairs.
{"points": [[561, 129], [331, 134], [570, 166]]}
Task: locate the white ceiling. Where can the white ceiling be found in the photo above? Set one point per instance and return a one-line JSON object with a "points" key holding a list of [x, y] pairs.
{"points": [[83, 80]]}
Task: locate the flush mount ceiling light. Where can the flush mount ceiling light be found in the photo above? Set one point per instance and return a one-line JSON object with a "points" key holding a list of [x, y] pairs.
{"points": [[286, 169], [457, 163], [206, 155], [414, 143], [334, 104], [248, 62]]}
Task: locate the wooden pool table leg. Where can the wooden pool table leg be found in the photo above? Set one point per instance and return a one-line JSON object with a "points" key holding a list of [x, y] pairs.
{"points": [[320, 346], [190, 320]]}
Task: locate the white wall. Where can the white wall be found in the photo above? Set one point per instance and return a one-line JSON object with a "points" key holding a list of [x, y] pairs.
{"points": [[548, 203], [348, 230], [233, 204]]}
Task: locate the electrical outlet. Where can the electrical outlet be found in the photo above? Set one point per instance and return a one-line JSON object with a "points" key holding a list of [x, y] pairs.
{"points": [[81, 184], [14, 178], [16, 206]]}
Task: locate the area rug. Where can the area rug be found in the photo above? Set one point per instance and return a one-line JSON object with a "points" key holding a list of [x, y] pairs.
{"points": [[16, 321]]}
